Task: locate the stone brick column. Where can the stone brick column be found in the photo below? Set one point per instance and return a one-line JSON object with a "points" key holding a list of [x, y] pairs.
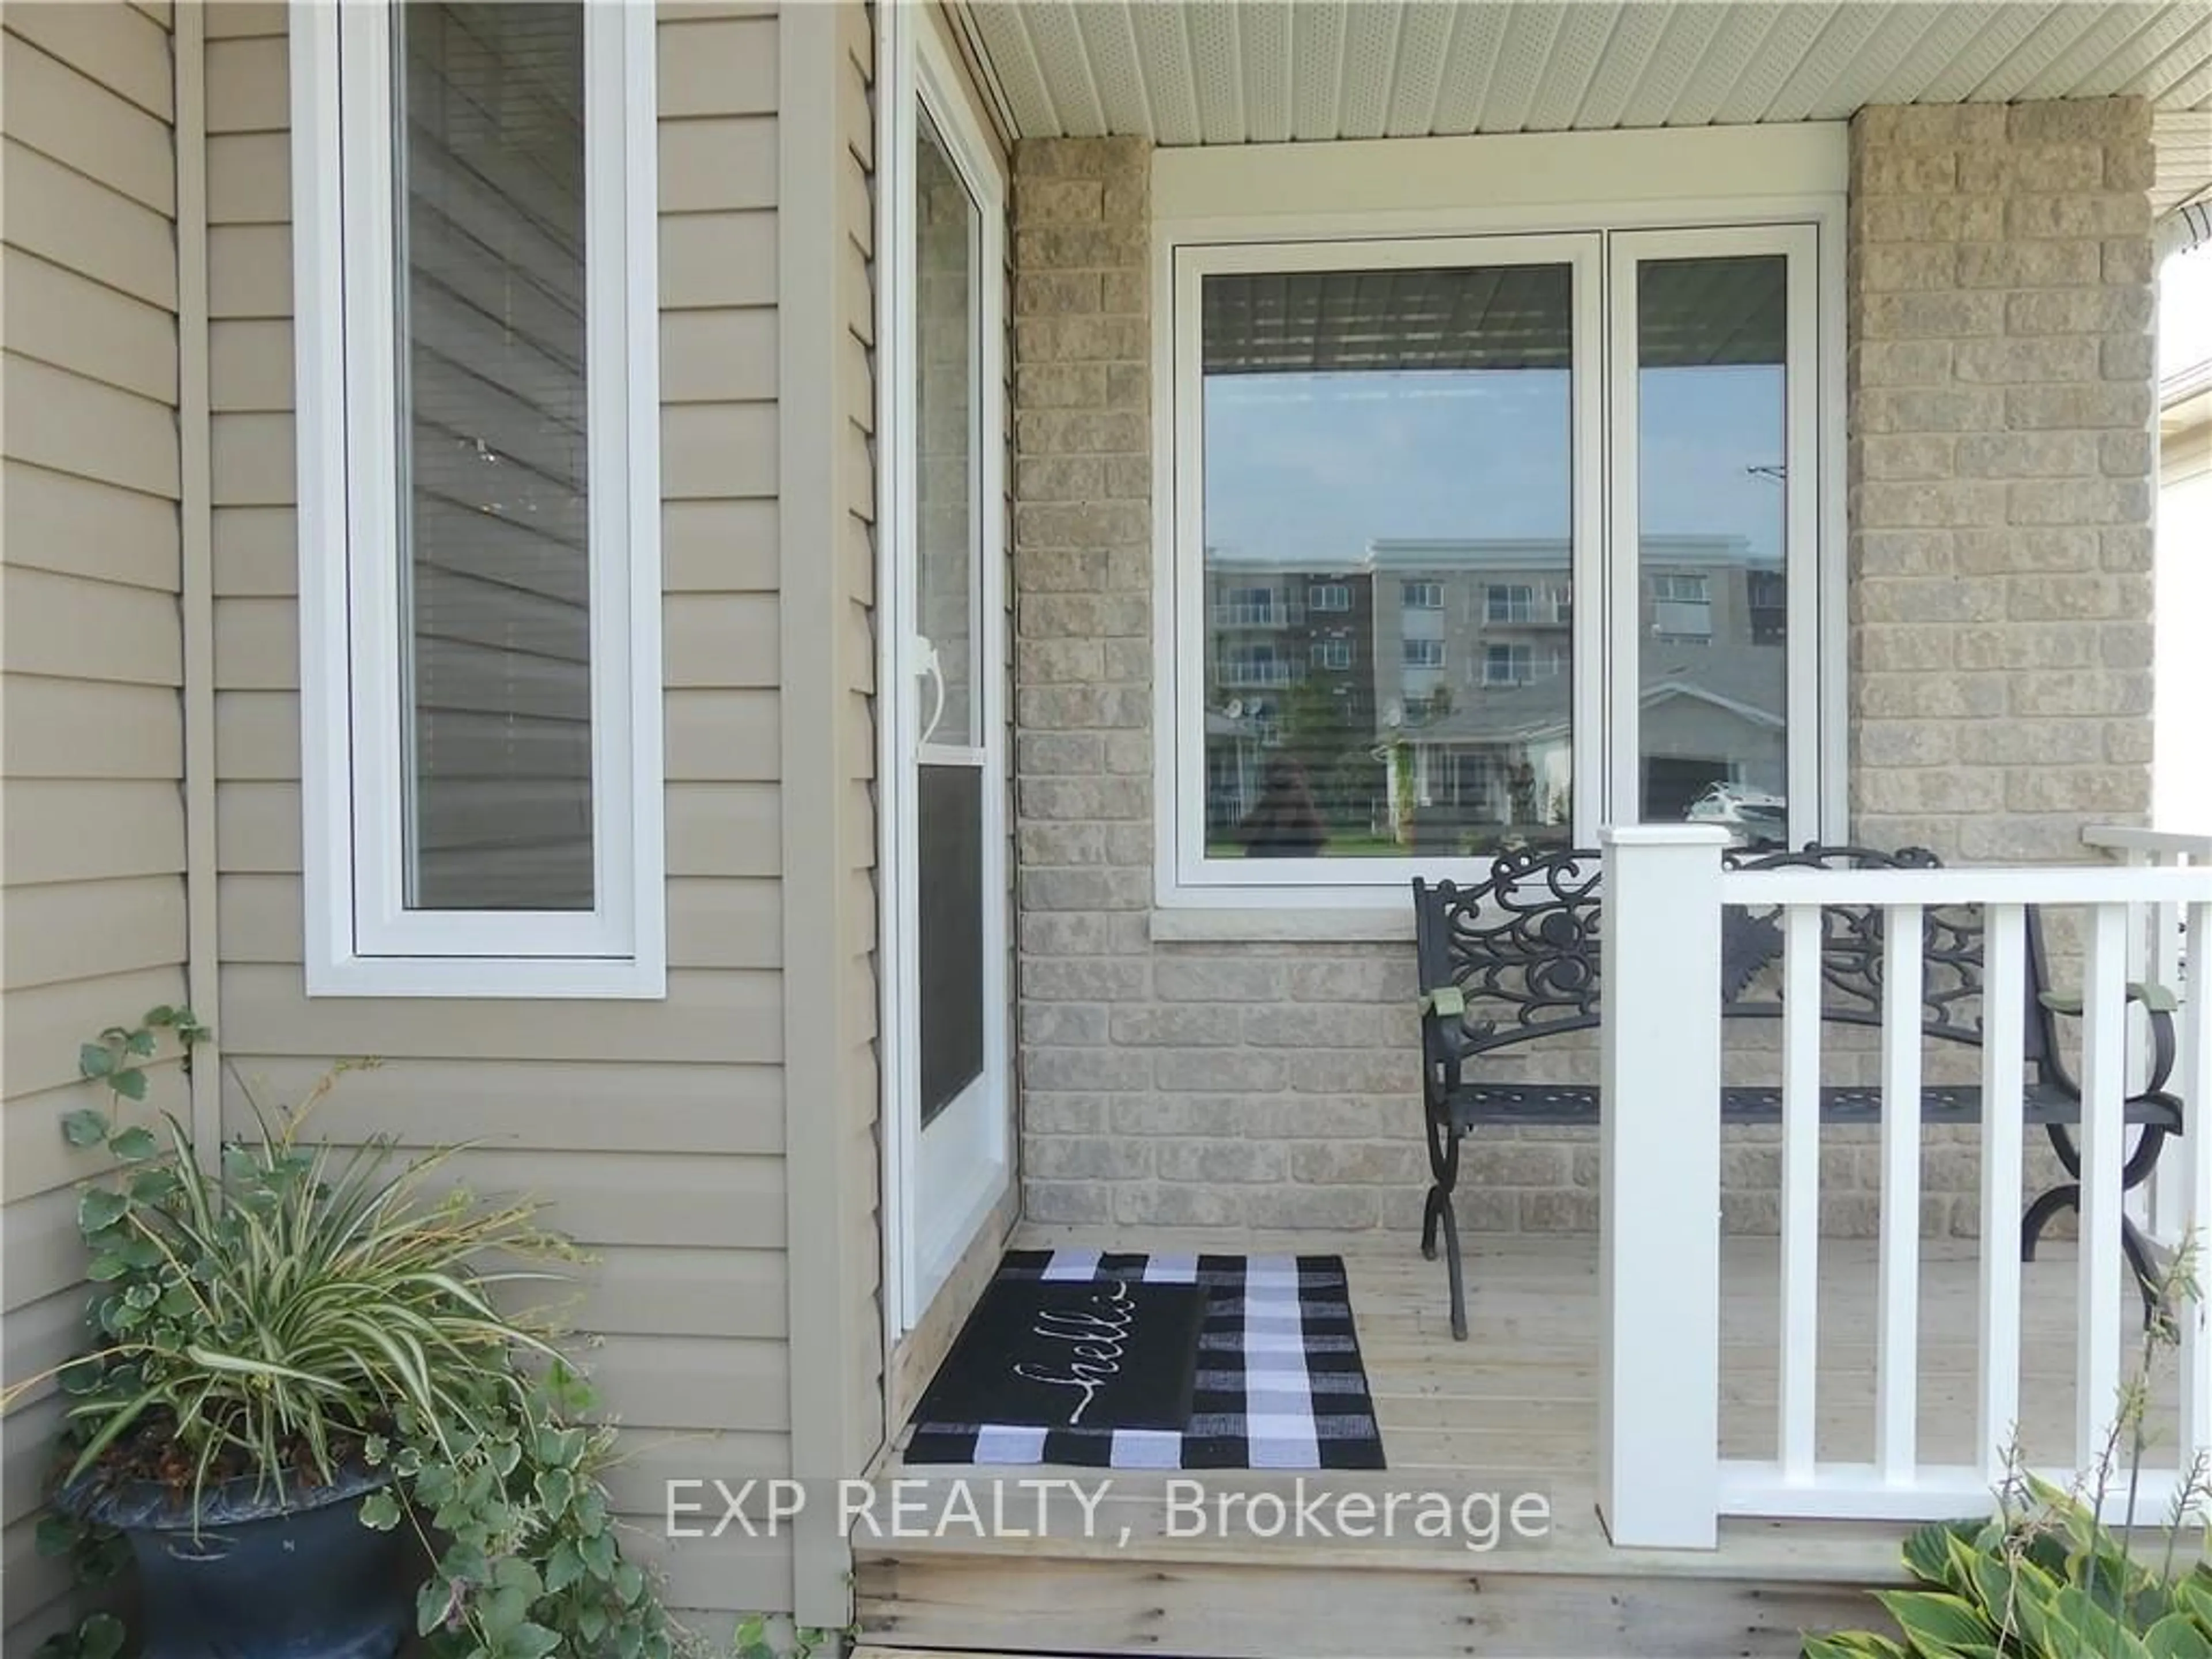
{"points": [[1083, 670], [2001, 466], [1173, 1084]]}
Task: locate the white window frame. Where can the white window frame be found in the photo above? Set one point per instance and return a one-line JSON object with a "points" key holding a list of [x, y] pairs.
{"points": [[1423, 653], [1329, 597], [1417, 595], [1368, 206], [361, 937], [1333, 656]]}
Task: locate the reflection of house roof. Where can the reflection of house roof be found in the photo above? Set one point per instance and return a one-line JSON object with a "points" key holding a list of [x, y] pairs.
{"points": [[1548, 554], [1404, 556], [1744, 682]]}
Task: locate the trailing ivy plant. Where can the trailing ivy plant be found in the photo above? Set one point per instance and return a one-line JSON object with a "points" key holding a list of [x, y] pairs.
{"points": [[290, 1309], [2046, 1578], [756, 1640]]}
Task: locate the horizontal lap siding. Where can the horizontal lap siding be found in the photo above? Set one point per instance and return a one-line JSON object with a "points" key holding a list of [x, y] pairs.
{"points": [[857, 1165], [92, 854], [654, 1129]]}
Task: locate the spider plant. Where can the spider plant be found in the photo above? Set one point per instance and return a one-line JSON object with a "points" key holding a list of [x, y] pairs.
{"points": [[294, 1314], [294, 1298]]}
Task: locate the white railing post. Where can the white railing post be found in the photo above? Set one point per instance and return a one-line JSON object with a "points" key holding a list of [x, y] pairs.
{"points": [[1659, 1202]]}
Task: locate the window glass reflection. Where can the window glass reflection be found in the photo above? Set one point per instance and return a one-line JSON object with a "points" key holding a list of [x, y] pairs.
{"points": [[1710, 438], [1388, 528]]}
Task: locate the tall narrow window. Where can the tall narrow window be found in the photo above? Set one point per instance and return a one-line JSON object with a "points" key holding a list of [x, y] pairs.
{"points": [[494, 525], [1713, 420], [479, 503], [949, 808]]}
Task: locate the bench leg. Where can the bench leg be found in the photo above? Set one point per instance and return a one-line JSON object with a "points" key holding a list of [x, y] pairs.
{"points": [[2069, 1197], [2039, 1214], [1437, 1214]]}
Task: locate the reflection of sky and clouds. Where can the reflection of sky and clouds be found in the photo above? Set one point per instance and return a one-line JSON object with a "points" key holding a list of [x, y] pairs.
{"points": [[1306, 470]]}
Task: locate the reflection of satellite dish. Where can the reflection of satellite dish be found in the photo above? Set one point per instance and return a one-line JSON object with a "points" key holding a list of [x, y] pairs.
{"points": [[1236, 707], [1395, 714]]}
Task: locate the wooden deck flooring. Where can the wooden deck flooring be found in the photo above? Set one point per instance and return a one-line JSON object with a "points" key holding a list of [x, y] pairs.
{"points": [[1512, 1409]]}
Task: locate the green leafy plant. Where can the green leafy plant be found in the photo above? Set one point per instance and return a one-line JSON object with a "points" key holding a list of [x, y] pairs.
{"points": [[288, 1311], [757, 1640], [2046, 1577]]}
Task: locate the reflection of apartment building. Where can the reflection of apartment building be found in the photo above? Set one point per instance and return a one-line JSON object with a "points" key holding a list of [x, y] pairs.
{"points": [[1474, 664], [1289, 656], [1270, 627]]}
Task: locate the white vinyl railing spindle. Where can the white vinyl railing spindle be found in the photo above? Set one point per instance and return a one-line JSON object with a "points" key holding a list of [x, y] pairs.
{"points": [[1896, 1316], [2142, 921], [2103, 1140], [2169, 1200], [2004, 991], [2193, 1074], [1800, 1188]]}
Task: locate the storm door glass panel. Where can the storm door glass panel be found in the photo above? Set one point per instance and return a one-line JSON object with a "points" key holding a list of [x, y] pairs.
{"points": [[1711, 443], [488, 172], [1400, 438], [948, 573]]}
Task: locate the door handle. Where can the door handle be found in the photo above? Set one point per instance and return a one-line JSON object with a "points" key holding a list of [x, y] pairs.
{"points": [[929, 663]]}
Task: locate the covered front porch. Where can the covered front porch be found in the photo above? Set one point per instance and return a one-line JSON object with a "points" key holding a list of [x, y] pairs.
{"points": [[1421, 456], [1728, 1430], [1514, 1409]]}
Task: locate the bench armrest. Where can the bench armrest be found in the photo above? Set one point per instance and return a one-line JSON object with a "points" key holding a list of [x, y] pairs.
{"points": [[1442, 1034], [2148, 994], [2154, 999]]}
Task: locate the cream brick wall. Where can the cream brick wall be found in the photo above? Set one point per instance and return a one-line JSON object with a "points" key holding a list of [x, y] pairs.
{"points": [[2000, 477], [2001, 474]]}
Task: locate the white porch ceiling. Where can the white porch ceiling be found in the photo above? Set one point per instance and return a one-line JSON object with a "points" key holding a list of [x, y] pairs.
{"points": [[1269, 71]]}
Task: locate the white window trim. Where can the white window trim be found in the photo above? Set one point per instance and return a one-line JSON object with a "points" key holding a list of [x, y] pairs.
{"points": [[1319, 206], [361, 940]]}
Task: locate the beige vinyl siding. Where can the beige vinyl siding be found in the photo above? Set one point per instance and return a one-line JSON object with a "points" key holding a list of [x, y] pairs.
{"points": [[654, 1128], [856, 491], [92, 852]]}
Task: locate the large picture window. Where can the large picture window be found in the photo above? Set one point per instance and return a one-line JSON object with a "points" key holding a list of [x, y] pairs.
{"points": [[1569, 486], [478, 505]]}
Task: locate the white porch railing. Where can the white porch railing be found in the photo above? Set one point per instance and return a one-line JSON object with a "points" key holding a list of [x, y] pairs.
{"points": [[1662, 1481], [2156, 936]]}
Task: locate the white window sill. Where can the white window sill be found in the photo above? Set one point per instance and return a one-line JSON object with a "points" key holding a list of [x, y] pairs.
{"points": [[1250, 924]]}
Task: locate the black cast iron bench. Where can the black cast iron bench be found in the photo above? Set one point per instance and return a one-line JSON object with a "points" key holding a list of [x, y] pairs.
{"points": [[1514, 959]]}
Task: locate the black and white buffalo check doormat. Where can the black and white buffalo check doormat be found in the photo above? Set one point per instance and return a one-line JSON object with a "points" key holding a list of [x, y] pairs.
{"points": [[1276, 1383]]}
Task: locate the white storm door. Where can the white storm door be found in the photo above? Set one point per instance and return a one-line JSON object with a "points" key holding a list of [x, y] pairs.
{"points": [[947, 1050]]}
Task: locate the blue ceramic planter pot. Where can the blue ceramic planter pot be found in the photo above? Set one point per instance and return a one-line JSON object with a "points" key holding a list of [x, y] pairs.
{"points": [[283, 1574]]}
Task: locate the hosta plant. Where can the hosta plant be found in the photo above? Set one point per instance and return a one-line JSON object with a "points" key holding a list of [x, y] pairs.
{"points": [[283, 1312], [2044, 1577], [2042, 1580]]}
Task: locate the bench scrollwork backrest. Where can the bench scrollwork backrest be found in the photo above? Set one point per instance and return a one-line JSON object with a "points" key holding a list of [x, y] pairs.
{"points": [[1521, 946]]}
